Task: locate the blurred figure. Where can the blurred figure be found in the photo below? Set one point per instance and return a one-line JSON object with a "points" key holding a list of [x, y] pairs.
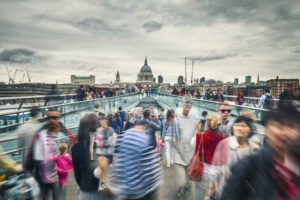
{"points": [[211, 137], [203, 121], [127, 124], [184, 150], [205, 94], [266, 100], [27, 130], [231, 150], [96, 108], [115, 123], [80, 94], [170, 135], [274, 172], [83, 171], [52, 97], [90, 94], [122, 116], [198, 94], [159, 144], [105, 149], [136, 172], [219, 96], [287, 96], [210, 95], [161, 117], [240, 99], [224, 110], [40, 151], [63, 164], [151, 126], [175, 91]]}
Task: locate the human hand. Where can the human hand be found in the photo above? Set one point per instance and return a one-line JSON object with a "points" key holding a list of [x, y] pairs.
{"points": [[198, 126], [211, 190], [19, 168]]}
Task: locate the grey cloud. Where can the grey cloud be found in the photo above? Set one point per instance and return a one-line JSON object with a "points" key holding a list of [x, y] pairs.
{"points": [[18, 55], [93, 24], [152, 26], [212, 57], [296, 50]]}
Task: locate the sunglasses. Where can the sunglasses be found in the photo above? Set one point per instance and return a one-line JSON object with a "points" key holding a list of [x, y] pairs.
{"points": [[53, 117], [225, 110]]}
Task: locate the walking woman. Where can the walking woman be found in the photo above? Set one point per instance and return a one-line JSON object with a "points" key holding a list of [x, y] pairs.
{"points": [[83, 170], [211, 137], [170, 135], [231, 150], [105, 149]]}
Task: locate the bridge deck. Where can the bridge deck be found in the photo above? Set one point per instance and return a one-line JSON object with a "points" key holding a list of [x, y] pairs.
{"points": [[166, 192]]}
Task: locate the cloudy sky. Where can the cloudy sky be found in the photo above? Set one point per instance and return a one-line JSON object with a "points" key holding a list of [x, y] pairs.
{"points": [[226, 38]]}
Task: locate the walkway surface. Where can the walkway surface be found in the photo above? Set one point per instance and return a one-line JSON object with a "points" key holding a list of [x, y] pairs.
{"points": [[167, 190]]}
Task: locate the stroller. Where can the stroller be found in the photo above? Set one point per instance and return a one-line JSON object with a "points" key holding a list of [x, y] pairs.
{"points": [[18, 186]]}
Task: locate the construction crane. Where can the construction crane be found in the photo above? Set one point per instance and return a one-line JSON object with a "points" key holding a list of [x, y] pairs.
{"points": [[29, 80], [192, 76], [10, 79], [26, 73]]}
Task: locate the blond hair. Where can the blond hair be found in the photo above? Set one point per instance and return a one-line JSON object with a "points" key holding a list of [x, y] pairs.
{"points": [[213, 121], [222, 104], [63, 148], [249, 114]]}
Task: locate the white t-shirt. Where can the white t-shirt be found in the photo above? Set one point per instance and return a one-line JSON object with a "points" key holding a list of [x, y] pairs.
{"points": [[186, 127]]}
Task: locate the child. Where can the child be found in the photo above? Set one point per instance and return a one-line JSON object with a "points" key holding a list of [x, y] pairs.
{"points": [[63, 164], [160, 144]]}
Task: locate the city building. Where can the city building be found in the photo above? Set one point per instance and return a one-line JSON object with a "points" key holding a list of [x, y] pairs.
{"points": [[236, 81], [118, 77], [180, 80], [160, 79], [145, 76], [256, 91], [278, 86], [83, 80], [248, 80]]}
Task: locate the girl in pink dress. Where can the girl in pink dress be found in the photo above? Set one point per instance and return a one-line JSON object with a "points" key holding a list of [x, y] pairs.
{"points": [[63, 164]]}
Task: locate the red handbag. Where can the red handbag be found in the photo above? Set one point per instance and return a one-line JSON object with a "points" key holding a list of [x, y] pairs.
{"points": [[195, 168]]}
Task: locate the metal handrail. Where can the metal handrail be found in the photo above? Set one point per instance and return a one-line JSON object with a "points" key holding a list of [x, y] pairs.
{"points": [[34, 97], [64, 104], [214, 102], [251, 98], [16, 137], [23, 148]]}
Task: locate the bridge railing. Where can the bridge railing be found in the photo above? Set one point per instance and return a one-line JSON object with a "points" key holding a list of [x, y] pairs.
{"points": [[109, 104], [10, 119], [250, 101], [174, 101]]}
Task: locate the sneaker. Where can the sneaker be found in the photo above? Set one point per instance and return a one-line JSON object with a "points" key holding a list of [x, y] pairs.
{"points": [[168, 165], [101, 186]]}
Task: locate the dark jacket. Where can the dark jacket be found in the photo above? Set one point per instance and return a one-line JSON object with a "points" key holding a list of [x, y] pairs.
{"points": [[83, 171], [219, 98], [80, 94], [252, 179]]}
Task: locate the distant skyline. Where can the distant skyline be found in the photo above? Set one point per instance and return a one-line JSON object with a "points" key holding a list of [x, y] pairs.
{"points": [[227, 39]]}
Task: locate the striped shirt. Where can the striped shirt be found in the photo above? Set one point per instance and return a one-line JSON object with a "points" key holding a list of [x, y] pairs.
{"points": [[136, 170]]}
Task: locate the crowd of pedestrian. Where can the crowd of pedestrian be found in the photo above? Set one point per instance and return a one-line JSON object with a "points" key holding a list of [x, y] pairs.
{"points": [[123, 153]]}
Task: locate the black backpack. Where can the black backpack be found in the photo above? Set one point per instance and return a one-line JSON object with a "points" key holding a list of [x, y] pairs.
{"points": [[268, 102]]}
